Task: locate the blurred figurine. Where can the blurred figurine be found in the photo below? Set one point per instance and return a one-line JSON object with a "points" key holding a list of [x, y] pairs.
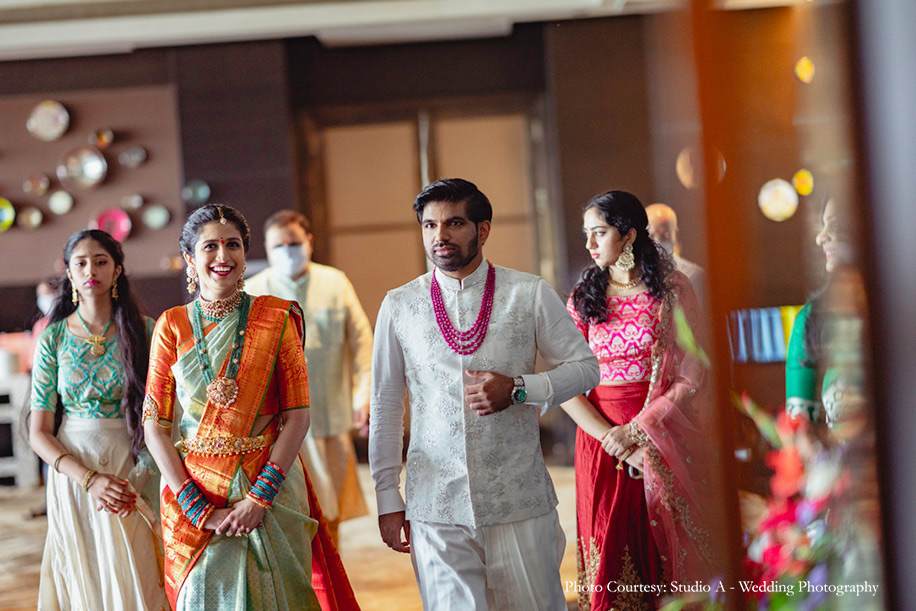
{"points": [[338, 351]]}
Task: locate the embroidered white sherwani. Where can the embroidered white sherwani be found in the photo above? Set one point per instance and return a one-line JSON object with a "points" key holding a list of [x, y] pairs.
{"points": [[464, 469], [696, 275], [338, 352]]}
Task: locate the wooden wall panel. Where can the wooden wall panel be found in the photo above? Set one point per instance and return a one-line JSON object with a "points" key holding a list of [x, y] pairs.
{"points": [[597, 96], [363, 75], [236, 129]]}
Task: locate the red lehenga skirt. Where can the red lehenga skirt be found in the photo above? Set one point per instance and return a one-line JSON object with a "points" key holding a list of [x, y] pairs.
{"points": [[617, 557]]}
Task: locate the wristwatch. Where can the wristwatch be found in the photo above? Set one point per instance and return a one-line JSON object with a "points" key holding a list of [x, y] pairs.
{"points": [[519, 394]]}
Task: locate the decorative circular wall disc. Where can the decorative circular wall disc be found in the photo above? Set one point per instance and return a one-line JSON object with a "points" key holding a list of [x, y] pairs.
{"points": [[60, 202], [156, 216], [36, 184], [133, 157], [30, 217], [49, 121], [7, 214], [84, 166]]}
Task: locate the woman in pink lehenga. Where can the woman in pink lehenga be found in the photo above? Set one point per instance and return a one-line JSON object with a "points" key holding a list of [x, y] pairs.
{"points": [[638, 520]]}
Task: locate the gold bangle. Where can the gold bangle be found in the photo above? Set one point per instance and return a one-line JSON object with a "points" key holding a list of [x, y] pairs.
{"points": [[59, 458], [88, 479], [626, 455], [206, 515], [258, 501]]}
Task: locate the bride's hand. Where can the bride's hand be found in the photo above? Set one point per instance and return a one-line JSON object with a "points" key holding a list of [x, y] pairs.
{"points": [[244, 516], [616, 441], [636, 459], [216, 518]]}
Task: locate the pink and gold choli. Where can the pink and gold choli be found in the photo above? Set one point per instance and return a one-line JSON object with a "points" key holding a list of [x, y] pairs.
{"points": [[623, 344]]}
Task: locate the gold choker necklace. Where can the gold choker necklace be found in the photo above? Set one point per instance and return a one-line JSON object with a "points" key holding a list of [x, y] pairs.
{"points": [[220, 308], [623, 287]]}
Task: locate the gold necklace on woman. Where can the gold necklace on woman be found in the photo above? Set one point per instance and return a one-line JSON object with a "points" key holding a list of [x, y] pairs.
{"points": [[221, 390], [620, 286], [219, 309], [98, 341]]}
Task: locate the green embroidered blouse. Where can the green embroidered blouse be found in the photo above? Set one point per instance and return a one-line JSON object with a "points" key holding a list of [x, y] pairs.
{"points": [[89, 386]]}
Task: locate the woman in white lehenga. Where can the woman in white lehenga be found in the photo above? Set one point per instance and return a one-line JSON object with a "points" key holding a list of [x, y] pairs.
{"points": [[102, 551]]}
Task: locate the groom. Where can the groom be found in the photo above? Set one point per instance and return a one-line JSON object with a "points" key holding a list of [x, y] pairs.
{"points": [[480, 520]]}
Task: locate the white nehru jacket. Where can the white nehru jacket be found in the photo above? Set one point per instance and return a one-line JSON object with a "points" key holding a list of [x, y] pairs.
{"points": [[463, 468]]}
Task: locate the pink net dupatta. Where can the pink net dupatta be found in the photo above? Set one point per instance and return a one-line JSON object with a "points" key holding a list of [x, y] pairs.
{"points": [[680, 464]]}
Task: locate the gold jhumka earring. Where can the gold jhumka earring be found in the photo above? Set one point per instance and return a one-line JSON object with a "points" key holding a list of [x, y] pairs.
{"points": [[191, 274]]}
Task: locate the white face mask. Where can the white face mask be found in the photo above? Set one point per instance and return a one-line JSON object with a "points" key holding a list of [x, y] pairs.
{"points": [[289, 260], [668, 246], [45, 302]]}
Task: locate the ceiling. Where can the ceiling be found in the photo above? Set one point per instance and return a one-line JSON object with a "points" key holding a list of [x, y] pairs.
{"points": [[59, 28]]}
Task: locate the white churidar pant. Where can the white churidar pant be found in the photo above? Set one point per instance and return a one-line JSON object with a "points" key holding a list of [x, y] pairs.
{"points": [[501, 567]]}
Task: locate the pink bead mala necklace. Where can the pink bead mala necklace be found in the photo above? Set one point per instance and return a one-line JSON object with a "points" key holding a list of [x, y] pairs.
{"points": [[464, 342]]}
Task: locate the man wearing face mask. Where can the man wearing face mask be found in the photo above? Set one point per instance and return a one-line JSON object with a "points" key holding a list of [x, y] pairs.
{"points": [[663, 229], [44, 299], [338, 352]]}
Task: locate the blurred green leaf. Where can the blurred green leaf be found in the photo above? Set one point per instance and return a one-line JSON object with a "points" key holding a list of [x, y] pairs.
{"points": [[685, 338], [766, 423]]}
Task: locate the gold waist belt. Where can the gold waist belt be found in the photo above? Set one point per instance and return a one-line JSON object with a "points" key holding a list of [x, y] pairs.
{"points": [[225, 446]]}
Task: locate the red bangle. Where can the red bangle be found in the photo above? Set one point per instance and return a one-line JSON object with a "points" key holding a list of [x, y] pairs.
{"points": [[277, 467], [184, 485]]}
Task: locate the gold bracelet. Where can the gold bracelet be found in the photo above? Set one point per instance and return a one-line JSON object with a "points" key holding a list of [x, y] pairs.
{"points": [[88, 479], [626, 455], [59, 458], [206, 514], [257, 501]]}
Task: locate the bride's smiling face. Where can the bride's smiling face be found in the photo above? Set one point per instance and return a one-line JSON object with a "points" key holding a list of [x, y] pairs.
{"points": [[219, 258]]}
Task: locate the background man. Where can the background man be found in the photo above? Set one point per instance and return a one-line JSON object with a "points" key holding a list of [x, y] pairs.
{"points": [[663, 229], [338, 351], [480, 522]]}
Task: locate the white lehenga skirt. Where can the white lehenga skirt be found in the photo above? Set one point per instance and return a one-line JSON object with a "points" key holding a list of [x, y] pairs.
{"points": [[94, 560]]}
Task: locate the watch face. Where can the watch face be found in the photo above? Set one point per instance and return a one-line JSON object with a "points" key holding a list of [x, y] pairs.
{"points": [[519, 395]]}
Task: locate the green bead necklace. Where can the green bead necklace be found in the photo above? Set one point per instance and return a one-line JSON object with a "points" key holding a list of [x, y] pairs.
{"points": [[223, 390]]}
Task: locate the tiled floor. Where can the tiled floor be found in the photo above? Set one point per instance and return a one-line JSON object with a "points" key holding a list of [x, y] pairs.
{"points": [[382, 579]]}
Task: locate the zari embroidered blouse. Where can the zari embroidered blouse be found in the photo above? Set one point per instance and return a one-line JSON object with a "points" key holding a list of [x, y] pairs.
{"points": [[623, 343], [63, 366]]}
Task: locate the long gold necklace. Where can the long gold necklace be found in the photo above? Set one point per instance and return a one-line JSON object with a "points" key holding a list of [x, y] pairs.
{"points": [[98, 341], [221, 390]]}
